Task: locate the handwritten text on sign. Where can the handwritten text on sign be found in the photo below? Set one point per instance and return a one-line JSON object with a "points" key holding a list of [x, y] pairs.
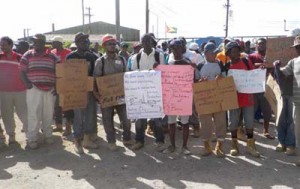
{"points": [[252, 81], [143, 94], [73, 84], [215, 96], [177, 88], [111, 89]]}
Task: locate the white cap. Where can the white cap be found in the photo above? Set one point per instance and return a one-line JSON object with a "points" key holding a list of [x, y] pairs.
{"points": [[73, 45], [194, 46], [58, 38]]}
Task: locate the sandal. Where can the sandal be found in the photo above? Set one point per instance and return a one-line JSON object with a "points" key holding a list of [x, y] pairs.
{"points": [[268, 136]]}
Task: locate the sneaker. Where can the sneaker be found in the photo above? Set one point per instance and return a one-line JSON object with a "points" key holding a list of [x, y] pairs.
{"points": [[169, 150], [2, 136], [78, 147], [33, 145], [185, 151], [49, 140], [137, 146], [290, 151], [280, 148], [160, 146], [113, 146], [58, 128], [128, 142]]}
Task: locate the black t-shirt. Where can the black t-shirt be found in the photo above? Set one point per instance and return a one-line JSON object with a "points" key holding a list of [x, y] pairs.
{"points": [[90, 57]]}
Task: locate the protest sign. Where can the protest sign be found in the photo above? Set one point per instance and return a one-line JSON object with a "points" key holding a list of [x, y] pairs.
{"points": [[73, 83], [177, 89], [111, 89], [143, 94], [249, 81], [215, 96], [279, 49], [273, 95]]}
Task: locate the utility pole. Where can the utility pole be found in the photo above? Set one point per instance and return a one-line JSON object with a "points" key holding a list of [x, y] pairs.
{"points": [[285, 25], [227, 17], [82, 7], [89, 15], [147, 16], [118, 20]]}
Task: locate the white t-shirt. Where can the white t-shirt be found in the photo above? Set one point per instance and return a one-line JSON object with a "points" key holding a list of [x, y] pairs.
{"points": [[146, 62]]}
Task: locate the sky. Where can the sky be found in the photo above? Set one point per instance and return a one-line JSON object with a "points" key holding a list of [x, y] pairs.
{"points": [[193, 18]]}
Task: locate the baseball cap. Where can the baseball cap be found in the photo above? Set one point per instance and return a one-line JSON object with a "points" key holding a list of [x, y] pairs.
{"points": [[176, 42], [58, 38], [194, 46], [39, 36], [231, 45], [211, 47], [296, 41], [81, 35], [124, 44], [107, 38]]}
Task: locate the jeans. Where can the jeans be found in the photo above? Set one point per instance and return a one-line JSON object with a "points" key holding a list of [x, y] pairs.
{"points": [[85, 119], [108, 122], [140, 126], [234, 117], [69, 115], [286, 127]]}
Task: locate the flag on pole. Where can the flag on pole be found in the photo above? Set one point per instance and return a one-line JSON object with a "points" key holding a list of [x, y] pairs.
{"points": [[171, 29]]}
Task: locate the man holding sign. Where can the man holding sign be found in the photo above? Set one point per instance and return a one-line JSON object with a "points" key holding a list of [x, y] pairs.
{"points": [[293, 68], [111, 63]]}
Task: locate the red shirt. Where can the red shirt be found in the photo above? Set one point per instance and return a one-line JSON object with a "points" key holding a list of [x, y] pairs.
{"points": [[40, 69], [61, 54], [244, 99], [10, 73]]}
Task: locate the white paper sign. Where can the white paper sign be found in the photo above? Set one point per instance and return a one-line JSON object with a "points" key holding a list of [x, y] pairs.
{"points": [[249, 81], [143, 94]]}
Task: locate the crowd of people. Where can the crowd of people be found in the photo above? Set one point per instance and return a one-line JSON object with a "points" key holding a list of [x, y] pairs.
{"points": [[28, 80]]}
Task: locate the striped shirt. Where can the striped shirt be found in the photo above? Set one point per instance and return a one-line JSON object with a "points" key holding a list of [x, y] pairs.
{"points": [[40, 69], [10, 73], [293, 68]]}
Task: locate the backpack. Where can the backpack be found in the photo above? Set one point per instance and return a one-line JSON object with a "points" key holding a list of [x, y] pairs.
{"points": [[103, 63], [245, 61], [138, 58]]}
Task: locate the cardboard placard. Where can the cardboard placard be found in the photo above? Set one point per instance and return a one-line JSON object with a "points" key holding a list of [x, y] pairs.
{"points": [[111, 89], [280, 49], [73, 84], [273, 96], [215, 96]]}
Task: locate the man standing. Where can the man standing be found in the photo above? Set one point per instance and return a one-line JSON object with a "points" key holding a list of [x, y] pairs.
{"points": [[22, 47], [61, 53], [38, 75], [145, 60], [260, 100], [12, 89], [111, 63], [293, 68], [85, 119]]}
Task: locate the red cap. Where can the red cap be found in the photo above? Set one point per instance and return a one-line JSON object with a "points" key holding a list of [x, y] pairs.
{"points": [[107, 38]]}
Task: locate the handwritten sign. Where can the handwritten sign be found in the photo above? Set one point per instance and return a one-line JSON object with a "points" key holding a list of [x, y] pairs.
{"points": [[215, 96], [73, 84], [279, 49], [273, 96], [252, 81], [111, 89], [177, 81], [143, 94]]}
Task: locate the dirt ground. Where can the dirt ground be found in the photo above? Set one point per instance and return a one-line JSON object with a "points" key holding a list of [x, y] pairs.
{"points": [[57, 166]]}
